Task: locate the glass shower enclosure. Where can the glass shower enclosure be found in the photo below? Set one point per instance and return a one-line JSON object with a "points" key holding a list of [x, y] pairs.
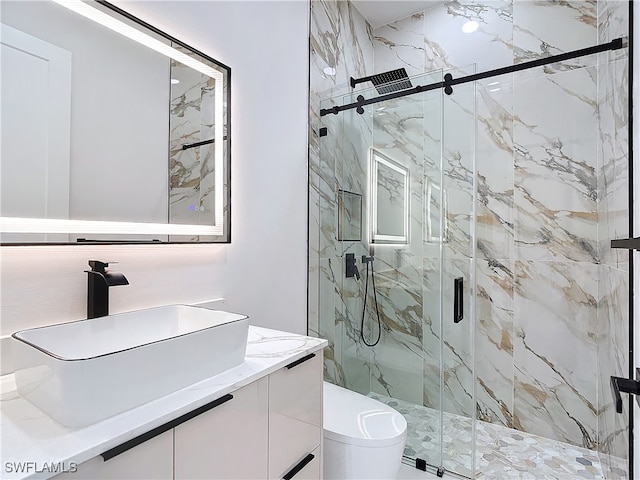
{"points": [[464, 270], [401, 329]]}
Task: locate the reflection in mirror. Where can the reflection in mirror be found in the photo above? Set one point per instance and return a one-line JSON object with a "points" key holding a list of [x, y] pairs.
{"points": [[349, 216], [389, 199], [112, 131]]}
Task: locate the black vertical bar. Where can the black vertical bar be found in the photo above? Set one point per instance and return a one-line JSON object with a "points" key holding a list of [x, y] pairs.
{"points": [[458, 299]]}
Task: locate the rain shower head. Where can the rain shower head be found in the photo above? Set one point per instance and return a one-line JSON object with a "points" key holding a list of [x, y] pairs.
{"points": [[387, 82], [392, 81]]}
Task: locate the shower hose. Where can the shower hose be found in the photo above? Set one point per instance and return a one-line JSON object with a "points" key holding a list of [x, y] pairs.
{"points": [[369, 260]]}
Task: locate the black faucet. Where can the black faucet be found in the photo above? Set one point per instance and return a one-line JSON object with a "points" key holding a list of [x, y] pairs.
{"points": [[98, 284]]}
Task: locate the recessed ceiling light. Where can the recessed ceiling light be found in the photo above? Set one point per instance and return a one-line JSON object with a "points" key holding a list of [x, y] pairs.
{"points": [[175, 81], [470, 26], [329, 70]]}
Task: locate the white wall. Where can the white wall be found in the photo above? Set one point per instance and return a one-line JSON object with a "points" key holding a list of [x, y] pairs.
{"points": [[263, 271]]}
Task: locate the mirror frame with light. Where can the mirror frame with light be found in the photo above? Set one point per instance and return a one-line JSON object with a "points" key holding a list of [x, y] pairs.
{"points": [[122, 22], [377, 160]]}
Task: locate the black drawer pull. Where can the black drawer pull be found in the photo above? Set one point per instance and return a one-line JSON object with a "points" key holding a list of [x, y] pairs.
{"points": [[300, 360], [303, 463], [134, 442]]}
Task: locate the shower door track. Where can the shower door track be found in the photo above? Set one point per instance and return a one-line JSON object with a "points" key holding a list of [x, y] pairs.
{"points": [[449, 81]]}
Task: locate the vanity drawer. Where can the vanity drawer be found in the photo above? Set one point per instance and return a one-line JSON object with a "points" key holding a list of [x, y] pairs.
{"points": [[152, 459], [307, 469], [227, 442], [295, 414]]}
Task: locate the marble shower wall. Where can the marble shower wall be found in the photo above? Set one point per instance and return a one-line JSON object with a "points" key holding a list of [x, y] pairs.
{"points": [[535, 162], [551, 193], [613, 215], [341, 46]]}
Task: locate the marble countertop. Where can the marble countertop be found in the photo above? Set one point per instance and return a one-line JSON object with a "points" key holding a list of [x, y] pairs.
{"points": [[33, 445]]}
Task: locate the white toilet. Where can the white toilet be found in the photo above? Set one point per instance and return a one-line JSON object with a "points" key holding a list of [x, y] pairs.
{"points": [[363, 438]]}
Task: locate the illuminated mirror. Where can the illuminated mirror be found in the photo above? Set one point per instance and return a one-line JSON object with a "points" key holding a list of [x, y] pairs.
{"points": [[112, 131], [389, 199]]}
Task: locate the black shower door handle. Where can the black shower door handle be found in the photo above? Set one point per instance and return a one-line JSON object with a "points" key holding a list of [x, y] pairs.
{"points": [[458, 299]]}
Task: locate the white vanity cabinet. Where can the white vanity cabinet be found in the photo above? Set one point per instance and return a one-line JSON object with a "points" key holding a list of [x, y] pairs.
{"points": [[269, 429], [295, 419], [152, 459], [227, 442], [311, 470]]}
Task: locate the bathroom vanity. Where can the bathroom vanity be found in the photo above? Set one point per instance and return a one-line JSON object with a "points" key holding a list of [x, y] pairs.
{"points": [[261, 419]]}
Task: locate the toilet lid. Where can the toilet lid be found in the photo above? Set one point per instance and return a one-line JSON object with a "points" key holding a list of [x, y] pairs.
{"points": [[352, 418]]}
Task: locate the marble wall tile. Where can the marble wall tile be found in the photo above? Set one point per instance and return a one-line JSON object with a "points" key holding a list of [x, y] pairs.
{"points": [[397, 361], [494, 362], [340, 39], [613, 320], [495, 214], [399, 134], [313, 304], [356, 138], [399, 128], [356, 356], [458, 140], [549, 172], [432, 331], [556, 153], [313, 278], [457, 362], [328, 219], [341, 42], [613, 22], [400, 44], [447, 46], [613, 341], [540, 29], [613, 114], [555, 355], [329, 318], [457, 338]]}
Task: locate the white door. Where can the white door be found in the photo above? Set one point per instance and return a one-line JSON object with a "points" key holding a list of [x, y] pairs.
{"points": [[35, 114]]}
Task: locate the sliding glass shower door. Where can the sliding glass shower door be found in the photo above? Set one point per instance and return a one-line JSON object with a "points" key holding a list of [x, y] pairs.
{"points": [[396, 203], [457, 273]]}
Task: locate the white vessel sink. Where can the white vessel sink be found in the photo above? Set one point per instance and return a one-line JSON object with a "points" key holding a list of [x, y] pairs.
{"points": [[82, 372]]}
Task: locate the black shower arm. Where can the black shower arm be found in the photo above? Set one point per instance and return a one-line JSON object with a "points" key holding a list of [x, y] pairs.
{"points": [[355, 81]]}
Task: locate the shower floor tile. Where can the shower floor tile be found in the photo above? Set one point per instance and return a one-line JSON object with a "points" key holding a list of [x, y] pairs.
{"points": [[501, 452]]}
